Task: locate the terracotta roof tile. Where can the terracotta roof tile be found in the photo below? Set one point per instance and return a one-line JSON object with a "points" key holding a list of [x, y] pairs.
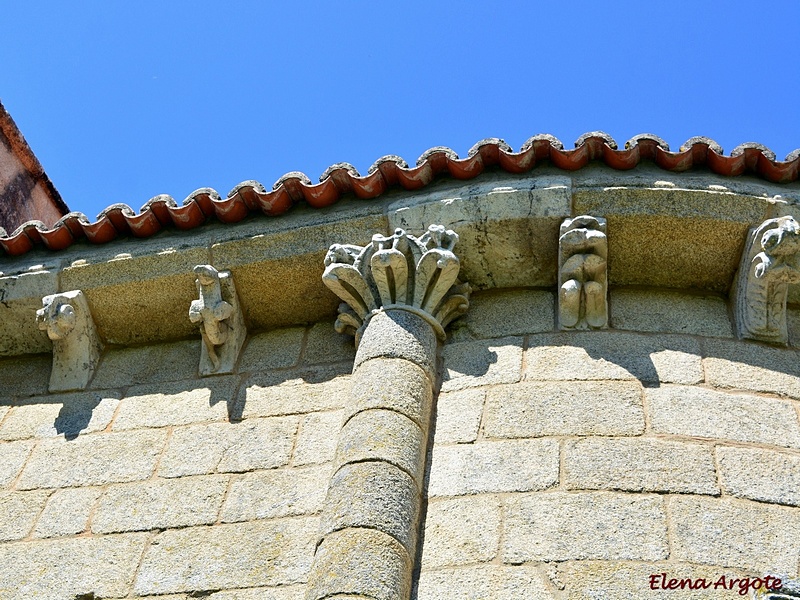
{"points": [[392, 171]]}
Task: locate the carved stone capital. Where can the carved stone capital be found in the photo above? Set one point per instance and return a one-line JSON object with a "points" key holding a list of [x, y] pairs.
{"points": [[219, 315], [582, 274], [401, 271], [770, 262], [76, 347]]}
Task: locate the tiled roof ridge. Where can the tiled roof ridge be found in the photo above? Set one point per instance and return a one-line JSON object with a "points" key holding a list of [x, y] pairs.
{"points": [[391, 171]]}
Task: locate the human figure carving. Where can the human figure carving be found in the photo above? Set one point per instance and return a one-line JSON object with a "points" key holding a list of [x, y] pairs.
{"points": [[211, 312]]}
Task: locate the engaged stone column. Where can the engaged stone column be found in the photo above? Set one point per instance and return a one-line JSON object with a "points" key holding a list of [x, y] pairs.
{"points": [[400, 293]]}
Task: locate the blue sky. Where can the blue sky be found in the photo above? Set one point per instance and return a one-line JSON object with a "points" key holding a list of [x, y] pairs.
{"points": [[123, 101]]}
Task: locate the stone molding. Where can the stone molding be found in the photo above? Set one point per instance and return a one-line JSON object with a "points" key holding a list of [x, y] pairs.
{"points": [[76, 347], [219, 315], [582, 273], [770, 262]]}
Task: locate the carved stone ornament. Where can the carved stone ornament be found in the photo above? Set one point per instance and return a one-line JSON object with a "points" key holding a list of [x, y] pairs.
{"points": [[219, 314], [419, 275], [76, 347], [582, 274], [770, 262]]}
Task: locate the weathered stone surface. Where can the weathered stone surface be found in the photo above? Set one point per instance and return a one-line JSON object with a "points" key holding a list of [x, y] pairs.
{"points": [[670, 311], [325, 345], [373, 495], [760, 474], [639, 464], [471, 364], [292, 592], [480, 582], [582, 273], [68, 568], [532, 409], [67, 512], [735, 533], [503, 466], [399, 334], [25, 376], [316, 442], [754, 367], [145, 364], [502, 313], [385, 435], [592, 525], [94, 459], [458, 416], [57, 414], [18, 511], [613, 355], [277, 349], [292, 393], [12, 456], [699, 412], [280, 493], [159, 504], [409, 393], [360, 562], [229, 447], [460, 531], [176, 403], [228, 556], [22, 297]]}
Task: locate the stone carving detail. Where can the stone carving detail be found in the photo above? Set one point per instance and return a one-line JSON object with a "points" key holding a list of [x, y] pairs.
{"points": [[770, 262], [219, 314], [582, 274], [400, 271], [76, 347]]}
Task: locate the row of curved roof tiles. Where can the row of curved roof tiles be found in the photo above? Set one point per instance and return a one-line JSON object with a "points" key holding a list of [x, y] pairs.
{"points": [[392, 171]]}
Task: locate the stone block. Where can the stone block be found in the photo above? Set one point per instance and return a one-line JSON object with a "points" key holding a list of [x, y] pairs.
{"points": [[383, 435], [145, 364], [239, 555], [325, 345], [760, 474], [394, 334], [639, 464], [472, 364], [408, 391], [176, 403], [22, 297], [18, 511], [754, 367], [60, 414], [501, 466], [26, 376], [373, 495], [160, 504], [360, 562], [481, 582], [229, 447], [274, 494], [583, 526], [12, 457], [735, 533], [67, 512], [277, 349], [316, 442], [613, 355], [461, 531], [700, 412], [670, 311], [69, 568], [458, 416], [533, 409], [502, 313], [292, 592], [95, 459]]}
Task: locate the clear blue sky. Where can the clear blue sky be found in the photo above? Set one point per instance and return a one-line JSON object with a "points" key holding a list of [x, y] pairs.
{"points": [[123, 101]]}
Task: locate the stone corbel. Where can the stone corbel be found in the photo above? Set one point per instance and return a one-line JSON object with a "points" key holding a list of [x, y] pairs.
{"points": [[219, 315], [770, 262], [582, 274], [76, 346]]}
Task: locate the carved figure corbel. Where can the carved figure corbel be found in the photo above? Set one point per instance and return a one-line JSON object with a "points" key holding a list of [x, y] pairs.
{"points": [[582, 274], [219, 315], [770, 262], [400, 271], [76, 347]]}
